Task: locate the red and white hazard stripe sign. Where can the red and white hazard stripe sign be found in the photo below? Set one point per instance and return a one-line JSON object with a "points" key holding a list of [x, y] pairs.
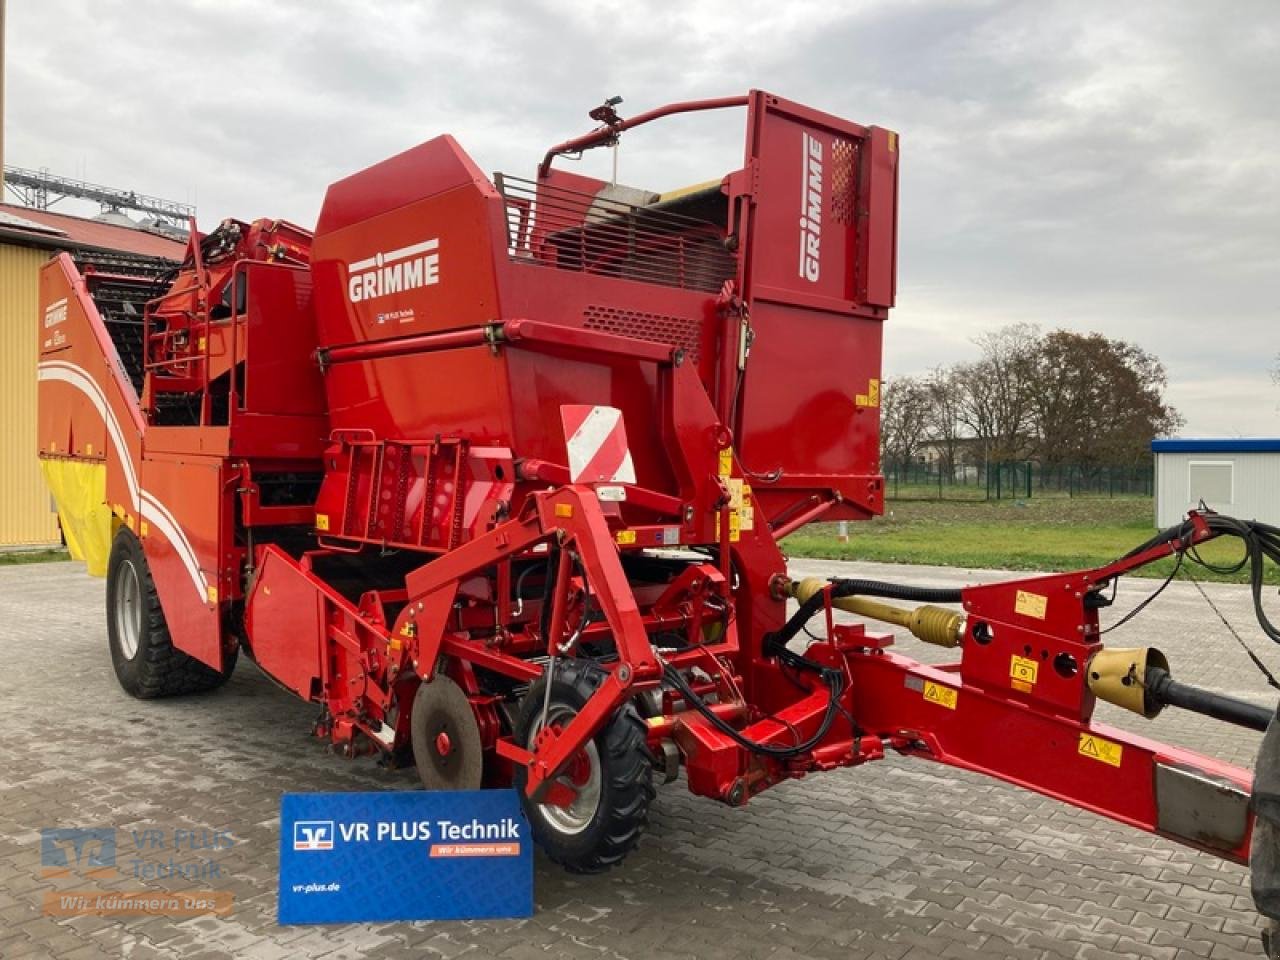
{"points": [[597, 442]]}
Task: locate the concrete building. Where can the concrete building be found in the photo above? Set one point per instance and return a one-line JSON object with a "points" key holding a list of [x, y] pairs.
{"points": [[1240, 477], [27, 239]]}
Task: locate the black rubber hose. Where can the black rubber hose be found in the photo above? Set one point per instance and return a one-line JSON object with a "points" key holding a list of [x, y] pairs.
{"points": [[857, 588], [834, 680], [1163, 689]]}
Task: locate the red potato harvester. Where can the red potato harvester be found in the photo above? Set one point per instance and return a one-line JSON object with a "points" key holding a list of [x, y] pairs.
{"points": [[495, 473]]}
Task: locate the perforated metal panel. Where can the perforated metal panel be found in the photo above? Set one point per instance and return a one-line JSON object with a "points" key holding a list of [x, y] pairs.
{"points": [[844, 165], [651, 327]]}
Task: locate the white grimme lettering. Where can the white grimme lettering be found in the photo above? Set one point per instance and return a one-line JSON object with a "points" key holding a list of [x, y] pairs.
{"points": [[395, 271], [811, 209]]}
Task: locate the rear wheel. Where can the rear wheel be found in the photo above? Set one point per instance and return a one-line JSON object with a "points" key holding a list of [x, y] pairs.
{"points": [[1264, 848], [611, 778], [145, 660]]}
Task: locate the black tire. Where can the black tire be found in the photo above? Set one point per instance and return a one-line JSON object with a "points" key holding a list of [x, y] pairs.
{"points": [[1264, 848], [624, 767], [145, 660]]}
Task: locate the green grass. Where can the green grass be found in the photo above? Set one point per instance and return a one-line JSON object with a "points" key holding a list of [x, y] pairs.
{"points": [[12, 557], [1037, 534]]}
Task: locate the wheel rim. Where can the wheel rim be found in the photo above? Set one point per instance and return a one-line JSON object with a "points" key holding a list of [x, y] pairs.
{"points": [[128, 609], [583, 776]]}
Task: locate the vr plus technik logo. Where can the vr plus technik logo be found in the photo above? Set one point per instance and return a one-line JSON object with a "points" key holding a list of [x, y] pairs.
{"points": [[90, 852], [311, 835]]}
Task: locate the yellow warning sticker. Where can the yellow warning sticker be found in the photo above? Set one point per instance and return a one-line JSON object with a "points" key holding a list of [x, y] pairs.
{"points": [[735, 486], [740, 503], [625, 536], [872, 397], [726, 461], [735, 526], [1022, 670], [943, 696], [212, 593], [322, 521], [1031, 604], [1096, 748]]}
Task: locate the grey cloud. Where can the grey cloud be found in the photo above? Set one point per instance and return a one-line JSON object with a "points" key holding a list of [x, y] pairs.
{"points": [[1099, 166]]}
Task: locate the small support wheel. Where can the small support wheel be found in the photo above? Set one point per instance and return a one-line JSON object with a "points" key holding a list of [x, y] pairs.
{"points": [[145, 660], [446, 738], [611, 779]]}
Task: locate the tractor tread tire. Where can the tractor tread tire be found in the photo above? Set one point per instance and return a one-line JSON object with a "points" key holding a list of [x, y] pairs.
{"points": [[157, 669], [626, 765]]}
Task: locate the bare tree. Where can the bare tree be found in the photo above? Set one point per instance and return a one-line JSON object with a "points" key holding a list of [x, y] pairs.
{"points": [[945, 428], [904, 420], [996, 391]]}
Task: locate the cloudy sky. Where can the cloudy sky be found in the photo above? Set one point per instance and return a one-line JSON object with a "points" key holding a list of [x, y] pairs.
{"points": [[1098, 166]]}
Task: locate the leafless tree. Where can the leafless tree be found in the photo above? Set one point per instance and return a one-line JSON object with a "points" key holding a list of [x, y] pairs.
{"points": [[945, 428], [996, 391], [904, 420]]}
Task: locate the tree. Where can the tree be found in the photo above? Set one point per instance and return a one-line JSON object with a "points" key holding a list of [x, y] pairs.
{"points": [[1098, 401], [996, 391], [904, 420], [945, 429]]}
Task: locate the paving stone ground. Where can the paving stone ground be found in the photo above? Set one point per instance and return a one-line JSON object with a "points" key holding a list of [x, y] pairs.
{"points": [[899, 859]]}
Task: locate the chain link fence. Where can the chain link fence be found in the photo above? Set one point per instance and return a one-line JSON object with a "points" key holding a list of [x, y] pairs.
{"points": [[1016, 480]]}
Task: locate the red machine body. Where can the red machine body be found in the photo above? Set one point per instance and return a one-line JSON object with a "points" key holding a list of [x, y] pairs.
{"points": [[487, 429]]}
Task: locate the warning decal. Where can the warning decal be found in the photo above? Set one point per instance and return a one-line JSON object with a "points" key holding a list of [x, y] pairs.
{"points": [[1031, 604], [726, 461], [1022, 672], [944, 696], [1096, 748]]}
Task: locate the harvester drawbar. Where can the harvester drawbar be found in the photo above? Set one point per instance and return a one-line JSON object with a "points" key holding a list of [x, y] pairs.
{"points": [[494, 471]]}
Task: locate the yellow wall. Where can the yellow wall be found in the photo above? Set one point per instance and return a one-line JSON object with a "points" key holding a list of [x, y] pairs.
{"points": [[25, 513]]}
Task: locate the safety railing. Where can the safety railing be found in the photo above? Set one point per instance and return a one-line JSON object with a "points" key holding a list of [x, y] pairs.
{"points": [[570, 230]]}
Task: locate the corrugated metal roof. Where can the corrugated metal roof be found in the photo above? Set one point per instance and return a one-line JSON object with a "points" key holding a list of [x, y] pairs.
{"points": [[60, 230], [8, 219], [1216, 445]]}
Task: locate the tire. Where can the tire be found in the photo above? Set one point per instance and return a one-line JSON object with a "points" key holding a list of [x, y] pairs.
{"points": [[145, 660], [598, 834], [1264, 848]]}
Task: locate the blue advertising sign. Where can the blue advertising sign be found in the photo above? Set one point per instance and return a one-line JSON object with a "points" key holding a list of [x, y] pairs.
{"points": [[404, 855]]}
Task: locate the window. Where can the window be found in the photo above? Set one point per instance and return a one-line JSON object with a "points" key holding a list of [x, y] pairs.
{"points": [[1212, 481]]}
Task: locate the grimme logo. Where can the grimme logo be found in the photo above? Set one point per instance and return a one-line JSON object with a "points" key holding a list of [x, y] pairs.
{"points": [[810, 208], [55, 313], [395, 271], [313, 835]]}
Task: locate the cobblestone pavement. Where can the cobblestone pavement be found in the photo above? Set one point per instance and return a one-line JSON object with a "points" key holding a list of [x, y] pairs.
{"points": [[899, 859]]}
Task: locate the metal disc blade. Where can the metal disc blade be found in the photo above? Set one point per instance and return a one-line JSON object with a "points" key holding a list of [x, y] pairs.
{"points": [[446, 738]]}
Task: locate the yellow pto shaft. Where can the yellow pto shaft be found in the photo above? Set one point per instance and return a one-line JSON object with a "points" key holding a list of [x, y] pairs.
{"points": [[936, 625]]}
